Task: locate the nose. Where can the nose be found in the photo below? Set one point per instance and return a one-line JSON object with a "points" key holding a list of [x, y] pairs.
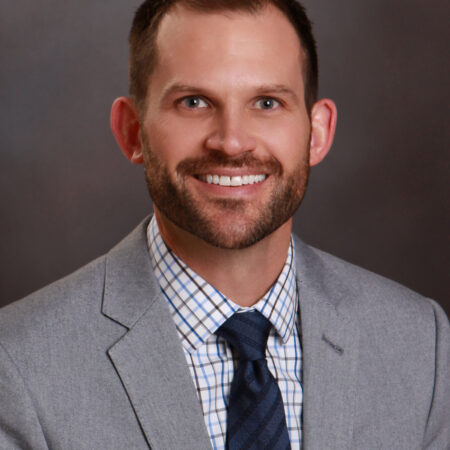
{"points": [[231, 134]]}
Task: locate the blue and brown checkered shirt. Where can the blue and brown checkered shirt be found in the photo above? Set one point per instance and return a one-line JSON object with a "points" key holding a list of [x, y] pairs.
{"points": [[198, 310]]}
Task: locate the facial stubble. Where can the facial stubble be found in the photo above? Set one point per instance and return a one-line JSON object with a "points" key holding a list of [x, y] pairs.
{"points": [[174, 200]]}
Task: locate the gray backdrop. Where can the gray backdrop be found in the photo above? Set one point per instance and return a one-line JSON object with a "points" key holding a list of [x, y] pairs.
{"points": [[379, 200]]}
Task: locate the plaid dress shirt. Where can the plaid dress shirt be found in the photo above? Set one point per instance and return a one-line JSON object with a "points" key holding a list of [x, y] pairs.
{"points": [[198, 310]]}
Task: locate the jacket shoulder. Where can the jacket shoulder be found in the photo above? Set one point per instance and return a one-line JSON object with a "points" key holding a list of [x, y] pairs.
{"points": [[72, 296], [351, 287]]}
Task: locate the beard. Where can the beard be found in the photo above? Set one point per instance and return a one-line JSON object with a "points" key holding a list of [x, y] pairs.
{"points": [[221, 222]]}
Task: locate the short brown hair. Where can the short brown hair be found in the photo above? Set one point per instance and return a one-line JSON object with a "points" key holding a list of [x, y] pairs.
{"points": [[142, 39]]}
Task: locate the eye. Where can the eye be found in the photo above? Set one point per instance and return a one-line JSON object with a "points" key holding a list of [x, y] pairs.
{"points": [[193, 102], [267, 103]]}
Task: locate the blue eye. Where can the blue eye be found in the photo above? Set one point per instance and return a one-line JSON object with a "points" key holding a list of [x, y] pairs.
{"points": [[267, 103], [194, 102]]}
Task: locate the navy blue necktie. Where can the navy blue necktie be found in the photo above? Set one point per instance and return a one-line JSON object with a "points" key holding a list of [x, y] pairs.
{"points": [[255, 411]]}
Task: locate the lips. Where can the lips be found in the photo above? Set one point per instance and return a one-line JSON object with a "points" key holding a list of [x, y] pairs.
{"points": [[232, 181], [217, 168]]}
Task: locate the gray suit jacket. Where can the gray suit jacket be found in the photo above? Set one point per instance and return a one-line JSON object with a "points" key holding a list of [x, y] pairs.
{"points": [[93, 361]]}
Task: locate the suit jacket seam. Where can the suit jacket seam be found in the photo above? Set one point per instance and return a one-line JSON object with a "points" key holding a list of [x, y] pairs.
{"points": [[26, 389]]}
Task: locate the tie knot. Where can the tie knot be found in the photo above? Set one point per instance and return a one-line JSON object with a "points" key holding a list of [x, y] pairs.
{"points": [[247, 332]]}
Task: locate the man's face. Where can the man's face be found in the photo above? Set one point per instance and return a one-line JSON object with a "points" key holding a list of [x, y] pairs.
{"points": [[226, 130]]}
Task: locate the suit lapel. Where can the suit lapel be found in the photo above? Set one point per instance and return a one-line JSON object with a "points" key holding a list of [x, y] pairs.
{"points": [[151, 364], [330, 340], [149, 358]]}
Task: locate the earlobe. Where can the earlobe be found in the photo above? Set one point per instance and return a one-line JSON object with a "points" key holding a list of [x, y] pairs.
{"points": [[126, 128], [323, 127]]}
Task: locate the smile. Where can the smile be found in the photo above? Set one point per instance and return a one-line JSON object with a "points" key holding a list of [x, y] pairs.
{"points": [[235, 181]]}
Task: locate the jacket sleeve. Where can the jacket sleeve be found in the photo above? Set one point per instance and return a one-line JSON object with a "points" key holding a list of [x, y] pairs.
{"points": [[437, 432], [19, 423]]}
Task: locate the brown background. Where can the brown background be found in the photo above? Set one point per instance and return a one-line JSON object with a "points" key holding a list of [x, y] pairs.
{"points": [[379, 200]]}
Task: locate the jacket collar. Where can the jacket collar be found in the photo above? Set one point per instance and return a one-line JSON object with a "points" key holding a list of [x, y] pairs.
{"points": [[149, 358], [330, 343], [152, 366]]}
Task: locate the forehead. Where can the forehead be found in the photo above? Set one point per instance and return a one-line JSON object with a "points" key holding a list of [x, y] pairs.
{"points": [[237, 43]]}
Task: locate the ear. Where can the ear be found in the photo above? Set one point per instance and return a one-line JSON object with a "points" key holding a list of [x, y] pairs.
{"points": [[126, 128], [323, 127]]}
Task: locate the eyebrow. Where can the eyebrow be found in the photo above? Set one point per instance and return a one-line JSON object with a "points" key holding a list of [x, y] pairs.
{"points": [[277, 89], [179, 88]]}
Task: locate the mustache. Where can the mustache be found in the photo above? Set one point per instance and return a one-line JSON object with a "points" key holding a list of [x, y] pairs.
{"points": [[217, 160]]}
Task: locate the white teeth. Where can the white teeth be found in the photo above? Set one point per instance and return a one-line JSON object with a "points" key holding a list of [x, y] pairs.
{"points": [[233, 181], [225, 181], [236, 181]]}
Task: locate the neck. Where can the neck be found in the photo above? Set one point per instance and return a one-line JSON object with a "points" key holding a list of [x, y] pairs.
{"points": [[243, 275]]}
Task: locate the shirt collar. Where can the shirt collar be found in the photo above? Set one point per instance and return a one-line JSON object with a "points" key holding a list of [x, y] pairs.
{"points": [[198, 309]]}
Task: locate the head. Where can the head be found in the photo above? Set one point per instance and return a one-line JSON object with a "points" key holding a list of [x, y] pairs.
{"points": [[144, 52], [223, 115]]}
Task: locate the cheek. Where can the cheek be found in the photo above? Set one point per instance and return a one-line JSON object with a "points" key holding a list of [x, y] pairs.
{"points": [[288, 140], [173, 141]]}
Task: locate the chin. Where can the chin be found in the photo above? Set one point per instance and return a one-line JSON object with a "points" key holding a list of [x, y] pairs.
{"points": [[231, 233]]}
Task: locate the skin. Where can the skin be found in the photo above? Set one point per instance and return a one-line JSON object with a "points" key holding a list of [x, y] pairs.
{"points": [[227, 91]]}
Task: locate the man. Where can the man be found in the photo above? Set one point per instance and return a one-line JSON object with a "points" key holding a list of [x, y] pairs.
{"points": [[153, 345]]}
